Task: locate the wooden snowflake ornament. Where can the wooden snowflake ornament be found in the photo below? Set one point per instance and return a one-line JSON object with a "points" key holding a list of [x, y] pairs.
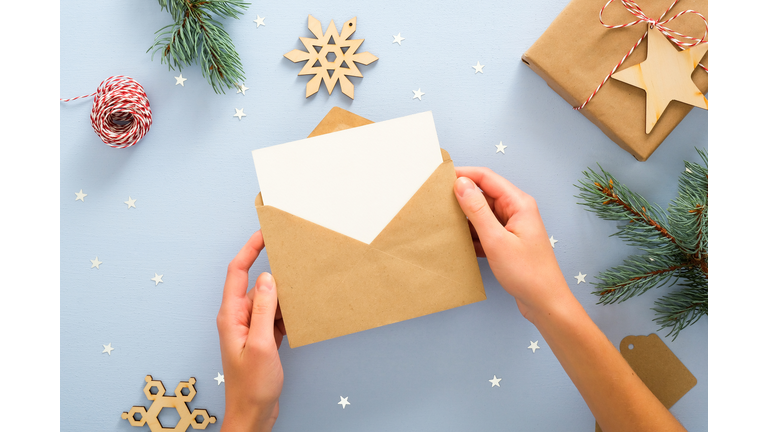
{"points": [[340, 48]]}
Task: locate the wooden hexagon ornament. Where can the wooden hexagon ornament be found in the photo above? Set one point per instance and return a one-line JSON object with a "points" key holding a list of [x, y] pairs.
{"points": [[160, 400]]}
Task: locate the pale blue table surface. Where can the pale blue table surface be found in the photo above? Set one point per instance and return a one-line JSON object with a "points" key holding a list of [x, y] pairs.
{"points": [[194, 183]]}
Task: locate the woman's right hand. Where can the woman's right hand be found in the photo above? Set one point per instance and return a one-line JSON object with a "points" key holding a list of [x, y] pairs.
{"points": [[507, 229]]}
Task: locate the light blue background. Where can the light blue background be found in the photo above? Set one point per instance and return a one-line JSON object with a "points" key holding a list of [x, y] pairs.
{"points": [[194, 182]]}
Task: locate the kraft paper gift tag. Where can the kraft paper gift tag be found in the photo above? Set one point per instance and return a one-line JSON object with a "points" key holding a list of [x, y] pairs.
{"points": [[658, 367]]}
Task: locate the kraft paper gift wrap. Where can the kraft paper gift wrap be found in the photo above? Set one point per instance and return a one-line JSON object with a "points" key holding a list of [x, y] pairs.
{"points": [[576, 53]]}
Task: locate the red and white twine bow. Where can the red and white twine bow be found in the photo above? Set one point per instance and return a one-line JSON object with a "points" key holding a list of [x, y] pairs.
{"points": [[121, 115], [681, 40]]}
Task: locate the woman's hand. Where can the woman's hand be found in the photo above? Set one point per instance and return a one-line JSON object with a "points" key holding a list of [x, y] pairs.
{"points": [[508, 230], [250, 332]]}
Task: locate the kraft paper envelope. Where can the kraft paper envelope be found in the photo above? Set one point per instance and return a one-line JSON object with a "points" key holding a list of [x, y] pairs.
{"points": [[331, 285]]}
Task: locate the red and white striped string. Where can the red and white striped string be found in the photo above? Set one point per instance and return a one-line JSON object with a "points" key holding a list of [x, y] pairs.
{"points": [[683, 42], [121, 115]]}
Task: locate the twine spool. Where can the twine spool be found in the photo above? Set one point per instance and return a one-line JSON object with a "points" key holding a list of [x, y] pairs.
{"points": [[121, 115]]}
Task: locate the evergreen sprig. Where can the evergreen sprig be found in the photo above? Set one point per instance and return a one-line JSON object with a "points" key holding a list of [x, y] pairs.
{"points": [[196, 36], [674, 244]]}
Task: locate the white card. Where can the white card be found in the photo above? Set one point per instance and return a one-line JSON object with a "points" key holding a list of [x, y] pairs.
{"points": [[352, 181]]}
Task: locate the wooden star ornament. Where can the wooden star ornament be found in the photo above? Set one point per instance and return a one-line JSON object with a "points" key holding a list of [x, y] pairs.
{"points": [[344, 56], [665, 75]]}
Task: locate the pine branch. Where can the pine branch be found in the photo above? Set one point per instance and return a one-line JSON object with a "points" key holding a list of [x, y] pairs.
{"points": [[644, 224], [688, 213], [674, 243], [685, 307], [636, 275], [196, 37]]}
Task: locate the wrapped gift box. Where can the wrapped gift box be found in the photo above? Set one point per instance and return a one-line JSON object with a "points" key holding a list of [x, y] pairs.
{"points": [[576, 52]]}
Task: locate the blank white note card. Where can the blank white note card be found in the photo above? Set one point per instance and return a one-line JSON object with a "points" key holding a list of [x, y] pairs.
{"points": [[352, 181]]}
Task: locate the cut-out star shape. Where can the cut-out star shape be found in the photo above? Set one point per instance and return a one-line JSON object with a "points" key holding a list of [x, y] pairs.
{"points": [[534, 346], [495, 381], [80, 196], [130, 202], [665, 75], [239, 113], [157, 279], [96, 263], [108, 349], [398, 39], [259, 21], [241, 88], [500, 147], [418, 94], [344, 402], [580, 278], [180, 80], [552, 241], [219, 378], [478, 67]]}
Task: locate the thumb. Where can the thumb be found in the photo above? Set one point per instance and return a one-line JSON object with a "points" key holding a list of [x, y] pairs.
{"points": [[475, 207], [263, 313]]}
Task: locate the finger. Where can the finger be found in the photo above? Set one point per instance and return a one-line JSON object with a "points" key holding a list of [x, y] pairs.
{"points": [[494, 185], [263, 313], [236, 283], [475, 207]]}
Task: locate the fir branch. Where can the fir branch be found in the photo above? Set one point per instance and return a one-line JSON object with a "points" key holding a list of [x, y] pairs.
{"points": [[644, 224], [196, 36], [675, 244], [684, 307], [636, 275]]}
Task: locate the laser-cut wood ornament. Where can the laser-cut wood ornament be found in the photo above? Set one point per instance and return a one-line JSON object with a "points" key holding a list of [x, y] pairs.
{"points": [[344, 50], [658, 367], [665, 75], [178, 402]]}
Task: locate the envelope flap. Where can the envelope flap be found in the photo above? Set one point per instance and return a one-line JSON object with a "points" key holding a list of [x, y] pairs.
{"points": [[432, 232], [306, 261], [338, 119]]}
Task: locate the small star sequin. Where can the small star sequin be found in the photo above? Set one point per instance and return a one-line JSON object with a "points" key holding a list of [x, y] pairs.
{"points": [[552, 241], [108, 349], [180, 80], [534, 346], [344, 402], [580, 278], [495, 381]]}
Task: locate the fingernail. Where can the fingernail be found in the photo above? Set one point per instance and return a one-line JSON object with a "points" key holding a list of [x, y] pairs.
{"points": [[464, 186], [267, 282]]}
